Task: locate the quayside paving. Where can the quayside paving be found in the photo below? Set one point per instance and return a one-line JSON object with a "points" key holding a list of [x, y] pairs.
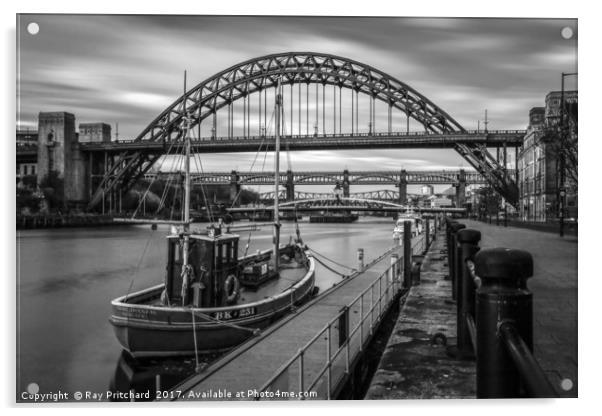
{"points": [[415, 364]]}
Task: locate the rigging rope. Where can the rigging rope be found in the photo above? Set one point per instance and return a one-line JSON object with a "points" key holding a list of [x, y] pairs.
{"points": [[138, 265], [331, 269], [268, 128], [196, 348], [199, 166], [154, 179], [329, 259]]}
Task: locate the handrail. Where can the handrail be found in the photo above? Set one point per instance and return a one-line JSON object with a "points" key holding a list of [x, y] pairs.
{"points": [[536, 382]]}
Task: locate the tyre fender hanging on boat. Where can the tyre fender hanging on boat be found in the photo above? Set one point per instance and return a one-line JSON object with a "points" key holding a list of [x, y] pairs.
{"points": [[231, 289]]}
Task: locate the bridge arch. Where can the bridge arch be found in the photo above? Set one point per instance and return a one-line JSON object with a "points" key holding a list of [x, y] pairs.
{"points": [[433, 178], [262, 73], [358, 180], [258, 178], [311, 179]]}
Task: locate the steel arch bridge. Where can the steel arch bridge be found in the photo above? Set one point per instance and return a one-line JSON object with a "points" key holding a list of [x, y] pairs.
{"points": [[260, 74]]}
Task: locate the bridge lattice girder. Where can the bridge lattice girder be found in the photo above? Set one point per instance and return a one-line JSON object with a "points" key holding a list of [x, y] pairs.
{"points": [[380, 195], [331, 178], [258, 74]]}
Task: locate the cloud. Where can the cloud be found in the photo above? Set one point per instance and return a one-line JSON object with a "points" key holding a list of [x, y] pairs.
{"points": [[127, 69]]}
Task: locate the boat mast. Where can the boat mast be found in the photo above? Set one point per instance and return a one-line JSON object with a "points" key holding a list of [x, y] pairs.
{"points": [[277, 109], [187, 164], [186, 245]]}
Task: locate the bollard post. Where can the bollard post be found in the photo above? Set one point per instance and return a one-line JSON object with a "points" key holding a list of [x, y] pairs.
{"points": [[448, 225], [453, 254], [502, 298], [468, 241], [360, 259], [407, 254], [158, 382]]}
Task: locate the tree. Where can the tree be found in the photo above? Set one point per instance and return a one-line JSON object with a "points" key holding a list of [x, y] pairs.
{"points": [[52, 186], [563, 140]]}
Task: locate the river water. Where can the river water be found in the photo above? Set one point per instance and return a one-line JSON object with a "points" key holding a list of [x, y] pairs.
{"points": [[66, 279]]}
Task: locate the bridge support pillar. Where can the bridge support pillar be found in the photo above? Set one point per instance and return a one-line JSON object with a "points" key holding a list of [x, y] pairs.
{"points": [[234, 189], [403, 187], [461, 189], [346, 183], [290, 186]]}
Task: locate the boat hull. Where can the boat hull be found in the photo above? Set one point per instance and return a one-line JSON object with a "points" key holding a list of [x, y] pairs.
{"points": [[148, 330]]}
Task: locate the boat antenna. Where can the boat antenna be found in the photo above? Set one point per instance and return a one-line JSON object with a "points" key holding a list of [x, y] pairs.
{"points": [[277, 111]]}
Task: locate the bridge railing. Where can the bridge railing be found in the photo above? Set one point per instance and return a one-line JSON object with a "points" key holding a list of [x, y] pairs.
{"points": [[368, 134], [338, 135], [494, 316]]}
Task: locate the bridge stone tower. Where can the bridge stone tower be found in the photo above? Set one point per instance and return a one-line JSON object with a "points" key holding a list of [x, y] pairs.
{"points": [[346, 183], [290, 186], [234, 188], [461, 189], [403, 187], [58, 152]]}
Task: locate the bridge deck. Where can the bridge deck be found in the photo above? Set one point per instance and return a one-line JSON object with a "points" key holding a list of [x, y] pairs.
{"points": [[251, 365], [326, 141]]}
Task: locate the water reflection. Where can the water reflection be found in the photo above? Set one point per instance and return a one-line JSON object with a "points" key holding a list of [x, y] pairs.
{"points": [[145, 377]]}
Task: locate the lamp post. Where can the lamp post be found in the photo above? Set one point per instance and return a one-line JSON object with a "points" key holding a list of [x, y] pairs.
{"points": [[562, 178]]}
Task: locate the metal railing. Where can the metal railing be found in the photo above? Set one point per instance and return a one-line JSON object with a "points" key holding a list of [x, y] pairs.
{"points": [[491, 284], [332, 350], [455, 134]]}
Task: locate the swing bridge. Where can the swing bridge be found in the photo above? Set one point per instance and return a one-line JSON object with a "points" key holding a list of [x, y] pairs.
{"points": [[342, 204]]}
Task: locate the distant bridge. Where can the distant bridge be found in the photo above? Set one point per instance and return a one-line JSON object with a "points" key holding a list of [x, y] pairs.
{"points": [[379, 195], [374, 177], [344, 179], [333, 204]]}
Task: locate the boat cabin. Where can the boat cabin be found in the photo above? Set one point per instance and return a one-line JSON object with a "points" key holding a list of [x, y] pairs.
{"points": [[213, 280]]}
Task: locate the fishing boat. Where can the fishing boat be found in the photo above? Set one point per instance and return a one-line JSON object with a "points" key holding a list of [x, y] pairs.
{"points": [[414, 218], [211, 298]]}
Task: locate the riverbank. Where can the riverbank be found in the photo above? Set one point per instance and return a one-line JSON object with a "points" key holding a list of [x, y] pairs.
{"points": [[30, 222]]}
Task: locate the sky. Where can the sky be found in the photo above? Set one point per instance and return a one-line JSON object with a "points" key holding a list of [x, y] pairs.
{"points": [[128, 69]]}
